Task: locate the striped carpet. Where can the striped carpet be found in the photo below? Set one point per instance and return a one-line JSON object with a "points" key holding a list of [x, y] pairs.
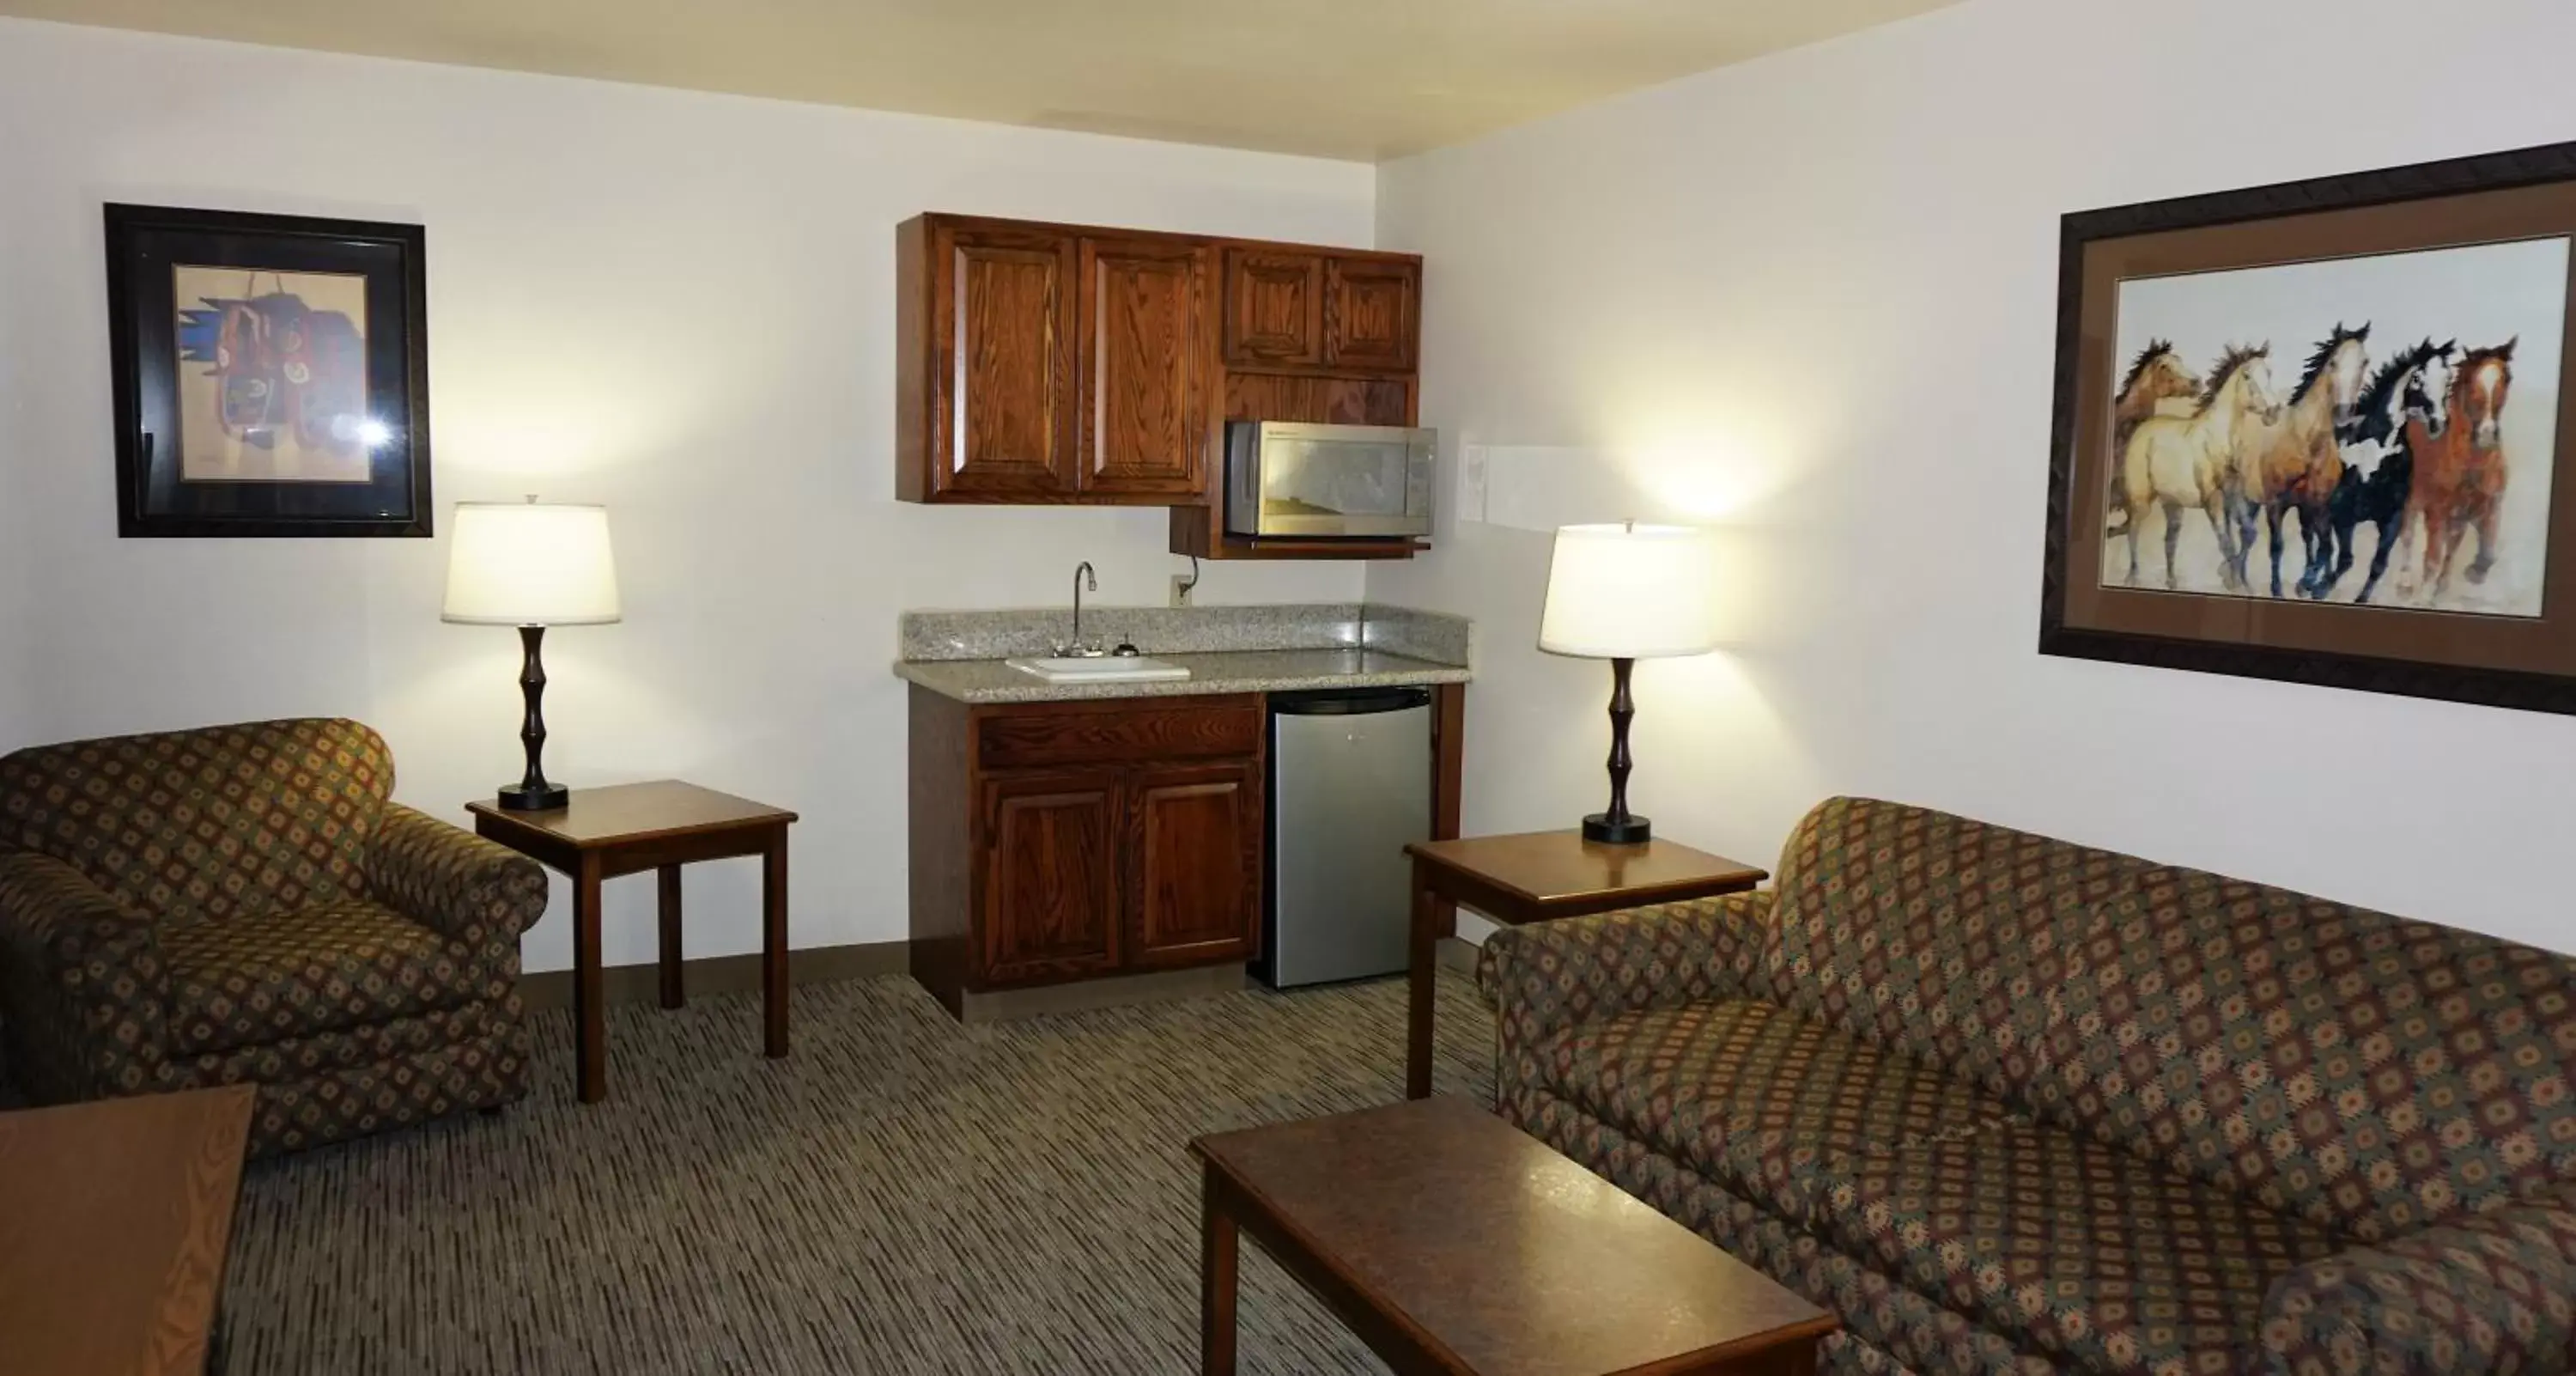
{"points": [[901, 1195]]}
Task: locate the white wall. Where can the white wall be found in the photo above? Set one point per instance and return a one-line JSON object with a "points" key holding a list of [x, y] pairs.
{"points": [[677, 304], [1810, 300]]}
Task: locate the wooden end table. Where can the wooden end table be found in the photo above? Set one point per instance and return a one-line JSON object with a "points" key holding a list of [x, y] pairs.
{"points": [[1453, 1243], [1539, 877], [115, 1220], [602, 833]]}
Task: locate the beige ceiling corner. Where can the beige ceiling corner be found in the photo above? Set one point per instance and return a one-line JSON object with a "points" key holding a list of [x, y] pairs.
{"points": [[1355, 79]]}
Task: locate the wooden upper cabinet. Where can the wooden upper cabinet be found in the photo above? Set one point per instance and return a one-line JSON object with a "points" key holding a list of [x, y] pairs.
{"points": [[1051, 890], [1194, 867], [1372, 314], [1148, 367], [1274, 308], [999, 409], [1075, 365]]}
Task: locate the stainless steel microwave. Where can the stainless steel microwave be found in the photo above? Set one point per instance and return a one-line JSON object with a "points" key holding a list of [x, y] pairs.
{"points": [[1285, 478]]}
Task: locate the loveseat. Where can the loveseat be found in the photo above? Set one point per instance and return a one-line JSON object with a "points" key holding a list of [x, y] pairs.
{"points": [[245, 905], [2007, 1103]]}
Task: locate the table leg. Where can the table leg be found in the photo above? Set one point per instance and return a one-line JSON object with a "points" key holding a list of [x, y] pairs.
{"points": [[590, 1005], [773, 943], [675, 993], [1421, 978], [1216, 1278]]}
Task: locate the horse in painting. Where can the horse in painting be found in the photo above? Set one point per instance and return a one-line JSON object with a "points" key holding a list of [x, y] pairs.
{"points": [[2157, 380], [2291, 462], [2460, 468], [2379, 468], [2181, 462]]}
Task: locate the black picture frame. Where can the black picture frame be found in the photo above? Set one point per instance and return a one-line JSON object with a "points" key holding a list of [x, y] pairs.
{"points": [[147, 248], [2423, 189]]}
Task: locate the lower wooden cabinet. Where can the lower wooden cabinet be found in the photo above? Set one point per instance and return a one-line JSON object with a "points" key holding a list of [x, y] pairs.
{"points": [[1050, 862], [1194, 872], [1066, 841]]}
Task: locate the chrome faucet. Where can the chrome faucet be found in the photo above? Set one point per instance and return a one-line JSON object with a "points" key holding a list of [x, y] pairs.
{"points": [[1075, 648]]}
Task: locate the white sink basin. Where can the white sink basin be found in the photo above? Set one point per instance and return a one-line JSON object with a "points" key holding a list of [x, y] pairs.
{"points": [[1109, 669]]}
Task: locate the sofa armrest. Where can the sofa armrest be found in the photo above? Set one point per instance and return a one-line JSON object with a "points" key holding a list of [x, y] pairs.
{"points": [[1548, 976], [82, 976], [477, 893], [2491, 1293]]}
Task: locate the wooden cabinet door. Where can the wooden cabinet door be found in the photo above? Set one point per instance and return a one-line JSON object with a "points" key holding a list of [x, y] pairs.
{"points": [[1194, 864], [1003, 300], [1050, 859], [1372, 314], [1146, 366], [1274, 308]]}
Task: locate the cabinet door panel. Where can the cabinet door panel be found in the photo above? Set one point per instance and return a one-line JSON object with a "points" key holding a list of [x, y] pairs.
{"points": [[1274, 312], [1050, 876], [1005, 423], [1371, 310], [1194, 888], [1145, 366]]}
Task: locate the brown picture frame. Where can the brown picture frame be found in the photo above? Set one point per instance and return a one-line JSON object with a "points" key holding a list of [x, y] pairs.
{"points": [[2524, 663]]}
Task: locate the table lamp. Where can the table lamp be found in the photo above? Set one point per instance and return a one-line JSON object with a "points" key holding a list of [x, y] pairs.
{"points": [[531, 565], [1624, 593]]}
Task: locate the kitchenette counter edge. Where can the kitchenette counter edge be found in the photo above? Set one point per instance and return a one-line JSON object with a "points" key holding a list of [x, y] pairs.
{"points": [[1271, 649]]}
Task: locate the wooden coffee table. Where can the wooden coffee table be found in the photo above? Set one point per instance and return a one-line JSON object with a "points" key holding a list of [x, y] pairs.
{"points": [[601, 833], [1454, 1243], [115, 1220], [1539, 877]]}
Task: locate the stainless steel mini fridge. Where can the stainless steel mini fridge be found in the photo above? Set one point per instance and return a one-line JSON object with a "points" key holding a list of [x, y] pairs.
{"points": [[1350, 786]]}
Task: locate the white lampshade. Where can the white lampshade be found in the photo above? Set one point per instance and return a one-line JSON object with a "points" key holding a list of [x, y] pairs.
{"points": [[530, 564], [1630, 592]]}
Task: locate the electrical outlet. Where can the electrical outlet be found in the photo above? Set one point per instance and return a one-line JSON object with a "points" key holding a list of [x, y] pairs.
{"points": [[1182, 586]]}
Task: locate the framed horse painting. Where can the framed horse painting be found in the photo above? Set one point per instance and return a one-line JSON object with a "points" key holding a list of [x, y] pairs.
{"points": [[2313, 432], [271, 374]]}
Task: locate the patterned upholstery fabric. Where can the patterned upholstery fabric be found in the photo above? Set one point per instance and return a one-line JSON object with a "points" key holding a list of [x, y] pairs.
{"points": [[2067, 1246], [2494, 1292], [263, 978], [213, 822], [2367, 1072], [243, 905], [2009, 1103], [1756, 1098]]}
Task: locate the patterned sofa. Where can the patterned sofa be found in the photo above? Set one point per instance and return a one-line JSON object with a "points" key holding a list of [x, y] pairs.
{"points": [[242, 904], [2010, 1104]]}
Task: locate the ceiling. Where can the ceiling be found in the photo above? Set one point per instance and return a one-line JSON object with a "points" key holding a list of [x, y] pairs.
{"points": [[1357, 79]]}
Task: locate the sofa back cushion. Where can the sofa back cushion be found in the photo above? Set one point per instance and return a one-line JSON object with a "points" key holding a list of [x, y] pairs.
{"points": [[2365, 1072], [257, 817], [2373, 1073], [1925, 932]]}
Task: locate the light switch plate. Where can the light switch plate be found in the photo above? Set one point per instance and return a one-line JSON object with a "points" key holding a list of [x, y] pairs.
{"points": [[1475, 473]]}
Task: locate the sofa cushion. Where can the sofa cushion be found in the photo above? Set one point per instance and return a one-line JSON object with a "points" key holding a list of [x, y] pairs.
{"points": [[2069, 1246], [1755, 1097], [2361, 1070], [211, 823], [266, 977], [1924, 931], [2366, 1072]]}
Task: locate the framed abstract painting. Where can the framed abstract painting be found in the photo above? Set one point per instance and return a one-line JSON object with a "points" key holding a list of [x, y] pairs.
{"points": [[271, 374], [2316, 432]]}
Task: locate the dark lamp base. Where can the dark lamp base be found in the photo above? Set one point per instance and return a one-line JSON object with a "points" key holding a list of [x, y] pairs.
{"points": [[521, 798], [1627, 831]]}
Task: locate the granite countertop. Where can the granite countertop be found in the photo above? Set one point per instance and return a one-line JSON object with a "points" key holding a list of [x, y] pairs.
{"points": [[1231, 671]]}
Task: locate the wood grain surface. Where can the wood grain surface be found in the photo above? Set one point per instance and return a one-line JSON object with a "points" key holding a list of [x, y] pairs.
{"points": [[1558, 873], [1455, 1243], [115, 1220]]}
